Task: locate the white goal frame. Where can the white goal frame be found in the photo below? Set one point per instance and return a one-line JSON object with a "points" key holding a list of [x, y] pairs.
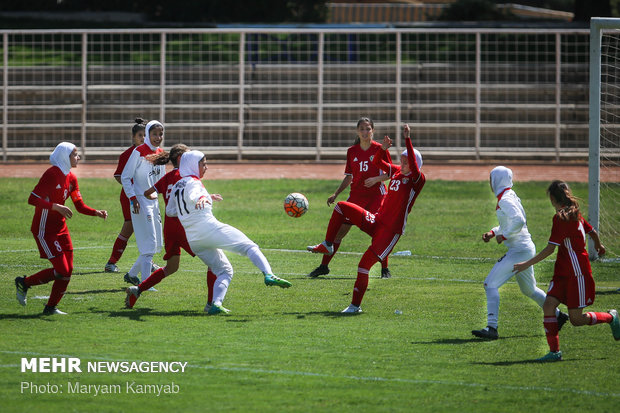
{"points": [[597, 26]]}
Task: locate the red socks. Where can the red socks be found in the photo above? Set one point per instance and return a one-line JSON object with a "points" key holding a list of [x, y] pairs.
{"points": [[42, 277], [599, 318], [361, 284], [551, 331], [211, 277], [152, 280], [117, 250]]}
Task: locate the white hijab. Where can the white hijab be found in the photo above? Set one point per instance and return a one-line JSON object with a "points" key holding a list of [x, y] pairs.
{"points": [[188, 166], [418, 156], [147, 129], [60, 156], [501, 178]]}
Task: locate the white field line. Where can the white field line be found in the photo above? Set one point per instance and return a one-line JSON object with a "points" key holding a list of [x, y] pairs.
{"points": [[340, 377]]}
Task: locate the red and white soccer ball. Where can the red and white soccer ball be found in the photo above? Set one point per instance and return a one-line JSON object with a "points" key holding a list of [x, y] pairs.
{"points": [[295, 205]]}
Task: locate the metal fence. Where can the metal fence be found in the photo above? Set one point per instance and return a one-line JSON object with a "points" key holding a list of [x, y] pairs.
{"points": [[297, 93]]}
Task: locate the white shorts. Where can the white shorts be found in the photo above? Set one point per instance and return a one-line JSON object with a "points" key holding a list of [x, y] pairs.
{"points": [[216, 260], [147, 226], [503, 269], [216, 234]]}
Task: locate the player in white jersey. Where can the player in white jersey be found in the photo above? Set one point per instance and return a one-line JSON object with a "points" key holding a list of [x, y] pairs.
{"points": [[139, 175], [192, 204], [513, 232]]}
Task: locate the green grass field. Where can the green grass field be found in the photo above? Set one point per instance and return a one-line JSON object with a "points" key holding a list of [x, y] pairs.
{"points": [[291, 350]]}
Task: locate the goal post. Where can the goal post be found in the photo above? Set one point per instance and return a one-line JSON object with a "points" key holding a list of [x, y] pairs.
{"points": [[604, 133]]}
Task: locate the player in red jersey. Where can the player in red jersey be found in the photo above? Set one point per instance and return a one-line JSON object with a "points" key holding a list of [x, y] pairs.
{"points": [[572, 283], [388, 224], [50, 228], [137, 136], [367, 188], [174, 233]]}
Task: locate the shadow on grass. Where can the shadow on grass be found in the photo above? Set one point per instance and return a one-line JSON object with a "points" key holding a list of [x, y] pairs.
{"points": [[608, 292], [95, 291], [331, 314], [467, 340], [137, 313], [507, 363], [25, 317], [92, 272]]}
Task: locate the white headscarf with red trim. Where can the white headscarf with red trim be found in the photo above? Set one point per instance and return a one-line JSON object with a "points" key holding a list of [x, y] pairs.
{"points": [[147, 129], [501, 179]]}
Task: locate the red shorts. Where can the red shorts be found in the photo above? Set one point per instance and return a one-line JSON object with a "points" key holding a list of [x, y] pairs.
{"points": [[383, 239], [174, 238], [125, 206], [372, 203], [51, 246], [575, 292]]}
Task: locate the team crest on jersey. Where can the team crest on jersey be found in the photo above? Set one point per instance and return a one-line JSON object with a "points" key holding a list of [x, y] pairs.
{"points": [[372, 157], [149, 218], [405, 180]]}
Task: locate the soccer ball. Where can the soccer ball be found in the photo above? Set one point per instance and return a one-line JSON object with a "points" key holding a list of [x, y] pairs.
{"points": [[295, 205]]}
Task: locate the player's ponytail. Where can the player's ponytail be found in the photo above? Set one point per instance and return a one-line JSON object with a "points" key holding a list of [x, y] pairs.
{"points": [[562, 194], [140, 124], [164, 157], [175, 152]]}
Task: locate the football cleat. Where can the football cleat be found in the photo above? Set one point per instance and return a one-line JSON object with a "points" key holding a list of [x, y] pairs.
{"points": [[488, 333], [20, 290], [131, 279], [110, 267], [48, 310], [352, 309], [615, 324], [271, 279], [154, 267], [217, 309], [562, 319], [208, 307], [550, 357], [320, 270], [321, 248], [385, 273], [133, 293]]}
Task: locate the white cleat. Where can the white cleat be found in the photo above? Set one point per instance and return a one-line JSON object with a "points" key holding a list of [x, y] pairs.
{"points": [[352, 309], [52, 311]]}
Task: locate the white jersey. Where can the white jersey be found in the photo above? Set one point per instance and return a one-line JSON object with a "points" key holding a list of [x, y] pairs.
{"points": [[512, 222], [182, 204], [139, 174]]}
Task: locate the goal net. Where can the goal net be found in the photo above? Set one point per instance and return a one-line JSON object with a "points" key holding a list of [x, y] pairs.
{"points": [[604, 161]]}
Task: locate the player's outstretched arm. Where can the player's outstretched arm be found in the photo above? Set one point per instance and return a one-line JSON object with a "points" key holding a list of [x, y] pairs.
{"points": [[600, 248], [549, 249], [346, 181]]}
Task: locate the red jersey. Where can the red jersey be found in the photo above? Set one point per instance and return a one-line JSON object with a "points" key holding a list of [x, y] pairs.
{"points": [[402, 192], [165, 184], [361, 167], [122, 161], [570, 236], [54, 187]]}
